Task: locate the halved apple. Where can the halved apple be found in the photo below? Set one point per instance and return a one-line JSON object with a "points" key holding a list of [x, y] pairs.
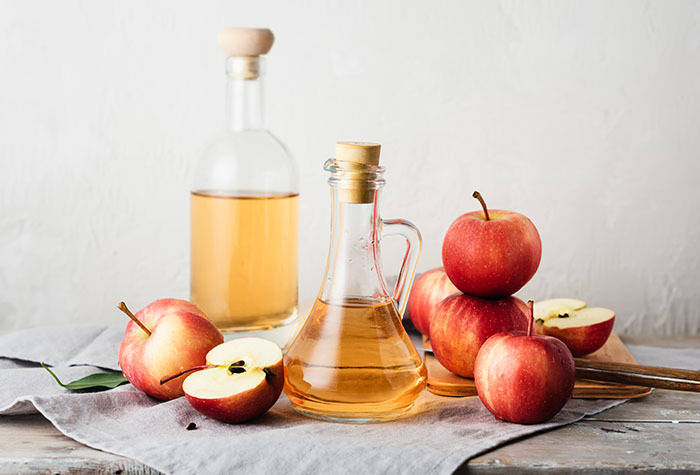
{"points": [[244, 379], [552, 308], [583, 331], [546, 309]]}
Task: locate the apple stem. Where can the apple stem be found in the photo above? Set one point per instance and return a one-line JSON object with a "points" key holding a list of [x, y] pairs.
{"points": [[531, 306], [478, 196], [196, 368], [122, 306]]}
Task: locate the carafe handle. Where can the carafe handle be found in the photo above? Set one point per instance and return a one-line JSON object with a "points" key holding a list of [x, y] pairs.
{"points": [[407, 274]]}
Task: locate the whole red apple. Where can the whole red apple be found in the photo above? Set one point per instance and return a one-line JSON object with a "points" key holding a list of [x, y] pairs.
{"points": [[165, 337], [462, 323], [491, 253], [524, 378], [428, 291]]}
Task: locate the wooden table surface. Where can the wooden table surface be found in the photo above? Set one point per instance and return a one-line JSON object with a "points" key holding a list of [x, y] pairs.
{"points": [[658, 433]]}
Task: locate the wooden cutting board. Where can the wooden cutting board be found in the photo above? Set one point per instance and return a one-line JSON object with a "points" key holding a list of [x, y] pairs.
{"points": [[445, 383]]}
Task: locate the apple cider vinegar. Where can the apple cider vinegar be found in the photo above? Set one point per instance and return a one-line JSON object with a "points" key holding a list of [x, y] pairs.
{"points": [[244, 207], [244, 259], [353, 359]]}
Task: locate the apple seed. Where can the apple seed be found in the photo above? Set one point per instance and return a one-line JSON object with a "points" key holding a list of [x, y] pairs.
{"points": [[236, 369]]}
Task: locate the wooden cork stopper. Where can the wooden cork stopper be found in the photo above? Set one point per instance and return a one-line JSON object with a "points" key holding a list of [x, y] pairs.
{"points": [[357, 186], [364, 153], [245, 41]]}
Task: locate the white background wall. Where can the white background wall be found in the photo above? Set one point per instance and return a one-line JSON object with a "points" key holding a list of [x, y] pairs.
{"points": [[585, 116]]}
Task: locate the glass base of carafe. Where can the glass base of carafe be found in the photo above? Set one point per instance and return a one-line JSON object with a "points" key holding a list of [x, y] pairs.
{"points": [[281, 332], [354, 417]]}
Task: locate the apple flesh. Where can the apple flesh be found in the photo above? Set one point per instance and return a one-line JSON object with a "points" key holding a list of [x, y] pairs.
{"points": [[244, 380], [552, 308], [582, 331], [429, 290], [491, 253], [165, 337], [462, 323], [524, 379]]}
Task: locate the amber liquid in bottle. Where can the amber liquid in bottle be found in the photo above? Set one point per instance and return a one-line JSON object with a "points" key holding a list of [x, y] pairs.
{"points": [[244, 259], [353, 360]]}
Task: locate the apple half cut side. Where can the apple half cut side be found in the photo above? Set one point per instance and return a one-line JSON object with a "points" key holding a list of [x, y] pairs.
{"points": [[552, 308], [244, 379], [582, 331]]}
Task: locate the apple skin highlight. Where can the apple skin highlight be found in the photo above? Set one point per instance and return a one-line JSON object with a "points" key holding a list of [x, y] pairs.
{"points": [[462, 323], [582, 340], [524, 379], [428, 291], [494, 258], [181, 336]]}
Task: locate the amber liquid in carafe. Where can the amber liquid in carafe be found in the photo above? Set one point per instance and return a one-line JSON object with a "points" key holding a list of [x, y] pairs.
{"points": [[244, 259], [353, 360]]}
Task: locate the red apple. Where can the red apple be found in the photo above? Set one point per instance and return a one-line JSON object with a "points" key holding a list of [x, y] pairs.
{"points": [[462, 323], [428, 291], [583, 331], [165, 337], [524, 378], [491, 253], [242, 380]]}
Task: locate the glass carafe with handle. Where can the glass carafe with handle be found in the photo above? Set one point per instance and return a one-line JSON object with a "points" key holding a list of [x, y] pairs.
{"points": [[352, 360]]}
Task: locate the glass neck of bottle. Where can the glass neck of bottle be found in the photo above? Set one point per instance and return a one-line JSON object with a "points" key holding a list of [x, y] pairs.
{"points": [[353, 268], [244, 94]]}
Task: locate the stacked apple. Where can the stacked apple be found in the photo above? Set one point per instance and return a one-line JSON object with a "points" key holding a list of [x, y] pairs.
{"points": [[231, 382], [487, 255]]}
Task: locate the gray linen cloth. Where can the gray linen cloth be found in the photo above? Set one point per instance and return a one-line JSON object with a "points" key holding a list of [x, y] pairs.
{"points": [[440, 434]]}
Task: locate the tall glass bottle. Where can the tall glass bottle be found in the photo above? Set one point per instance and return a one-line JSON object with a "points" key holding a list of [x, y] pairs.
{"points": [[352, 360], [244, 205]]}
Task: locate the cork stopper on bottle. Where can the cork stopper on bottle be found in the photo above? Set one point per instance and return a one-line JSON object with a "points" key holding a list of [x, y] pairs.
{"points": [[358, 161], [244, 47], [245, 41], [364, 153]]}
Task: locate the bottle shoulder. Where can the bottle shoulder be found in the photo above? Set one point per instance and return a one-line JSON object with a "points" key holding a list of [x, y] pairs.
{"points": [[237, 144], [246, 160]]}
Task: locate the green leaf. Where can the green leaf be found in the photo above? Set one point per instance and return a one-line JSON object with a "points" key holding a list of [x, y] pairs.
{"points": [[91, 383]]}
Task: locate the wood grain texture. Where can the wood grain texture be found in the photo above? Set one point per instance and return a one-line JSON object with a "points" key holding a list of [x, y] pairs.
{"points": [[445, 383], [31, 444], [625, 373], [655, 433]]}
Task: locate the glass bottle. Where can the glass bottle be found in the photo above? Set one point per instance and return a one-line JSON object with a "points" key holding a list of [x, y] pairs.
{"points": [[244, 205], [352, 360]]}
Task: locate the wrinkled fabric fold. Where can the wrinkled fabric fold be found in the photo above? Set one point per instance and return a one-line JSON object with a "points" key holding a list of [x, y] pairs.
{"points": [[437, 437]]}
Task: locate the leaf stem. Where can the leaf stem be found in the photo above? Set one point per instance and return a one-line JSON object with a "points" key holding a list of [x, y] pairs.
{"points": [[122, 306], [478, 196], [54, 375]]}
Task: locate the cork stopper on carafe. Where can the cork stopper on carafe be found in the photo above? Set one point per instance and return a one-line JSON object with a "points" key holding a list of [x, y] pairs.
{"points": [[244, 46], [359, 162]]}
